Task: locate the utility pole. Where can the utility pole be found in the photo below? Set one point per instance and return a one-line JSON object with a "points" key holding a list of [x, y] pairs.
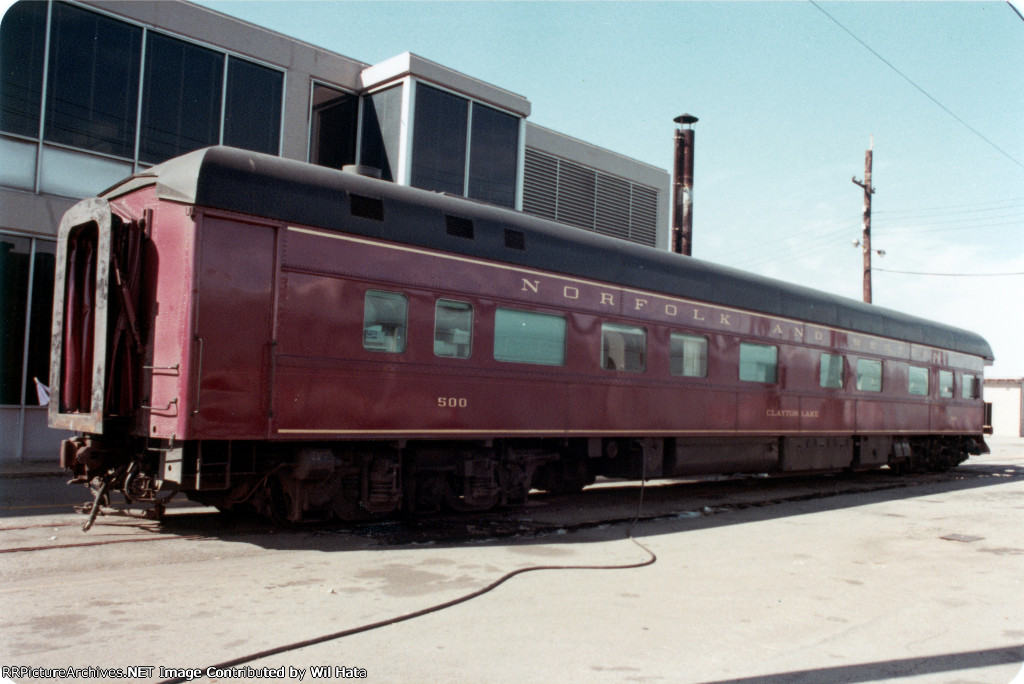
{"points": [[682, 187], [866, 239]]}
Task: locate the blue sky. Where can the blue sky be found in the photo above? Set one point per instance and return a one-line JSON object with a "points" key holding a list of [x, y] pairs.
{"points": [[788, 101]]}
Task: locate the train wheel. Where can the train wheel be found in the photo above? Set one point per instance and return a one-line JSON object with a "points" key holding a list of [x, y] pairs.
{"points": [[568, 475], [479, 498], [272, 502], [430, 493], [156, 512], [948, 458]]}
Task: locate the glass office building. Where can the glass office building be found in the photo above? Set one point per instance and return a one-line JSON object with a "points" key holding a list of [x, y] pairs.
{"points": [[93, 91]]}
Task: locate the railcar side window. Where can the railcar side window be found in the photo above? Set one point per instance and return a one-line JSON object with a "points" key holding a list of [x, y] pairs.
{"points": [[831, 374], [453, 329], [385, 320], [688, 355], [917, 381], [759, 363], [969, 387], [869, 375], [623, 347], [529, 337], [945, 384]]}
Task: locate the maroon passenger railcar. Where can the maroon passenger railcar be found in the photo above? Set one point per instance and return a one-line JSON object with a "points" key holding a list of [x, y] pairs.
{"points": [[313, 343]]}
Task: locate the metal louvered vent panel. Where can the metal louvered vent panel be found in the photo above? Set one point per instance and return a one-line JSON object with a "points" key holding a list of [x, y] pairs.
{"points": [[644, 215], [613, 206], [577, 187], [561, 190], [540, 184]]}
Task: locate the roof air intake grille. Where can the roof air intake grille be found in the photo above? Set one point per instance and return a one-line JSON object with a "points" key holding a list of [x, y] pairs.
{"points": [[367, 207], [458, 226], [515, 239]]}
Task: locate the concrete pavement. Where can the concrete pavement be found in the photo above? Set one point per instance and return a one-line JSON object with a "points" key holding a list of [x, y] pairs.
{"points": [[919, 584]]}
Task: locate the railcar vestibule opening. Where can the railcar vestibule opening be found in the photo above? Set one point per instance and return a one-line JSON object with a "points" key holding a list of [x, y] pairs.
{"points": [[98, 328], [79, 311]]}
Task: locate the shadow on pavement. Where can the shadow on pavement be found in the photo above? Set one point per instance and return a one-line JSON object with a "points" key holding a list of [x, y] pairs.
{"points": [[604, 510], [891, 669]]}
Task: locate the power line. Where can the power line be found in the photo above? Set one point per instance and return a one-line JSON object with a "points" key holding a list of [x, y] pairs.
{"points": [[958, 214], [953, 275], [1016, 11], [966, 222], [824, 242], [794, 255], [962, 227], [755, 251], [975, 208], [820, 243], [919, 88]]}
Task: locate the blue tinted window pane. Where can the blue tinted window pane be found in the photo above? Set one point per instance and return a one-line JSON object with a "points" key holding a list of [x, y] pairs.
{"points": [[869, 375], [93, 81], [22, 42], [623, 347], [688, 355], [439, 141], [453, 329], [41, 320], [969, 387], [494, 150], [382, 118], [946, 384], [14, 262], [529, 337], [252, 112], [831, 371], [180, 100], [333, 127], [385, 320], [917, 381], [759, 363]]}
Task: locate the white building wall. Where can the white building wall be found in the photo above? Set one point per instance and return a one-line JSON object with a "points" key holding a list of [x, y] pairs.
{"points": [[1007, 407]]}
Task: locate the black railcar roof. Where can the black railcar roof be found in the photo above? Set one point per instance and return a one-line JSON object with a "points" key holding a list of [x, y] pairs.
{"points": [[296, 192]]}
